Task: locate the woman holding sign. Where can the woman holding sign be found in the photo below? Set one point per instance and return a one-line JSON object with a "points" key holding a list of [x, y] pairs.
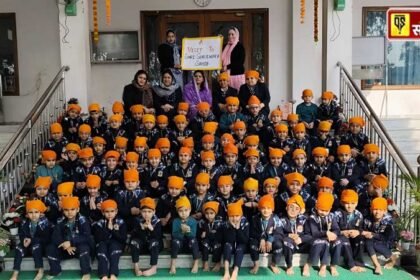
{"points": [[233, 59], [195, 92]]}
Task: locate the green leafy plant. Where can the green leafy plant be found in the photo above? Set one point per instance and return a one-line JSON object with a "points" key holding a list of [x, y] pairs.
{"points": [[406, 220]]}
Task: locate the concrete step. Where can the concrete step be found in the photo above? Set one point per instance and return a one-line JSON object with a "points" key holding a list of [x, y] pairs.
{"points": [[395, 123], [409, 145], [7, 132], [404, 134]]}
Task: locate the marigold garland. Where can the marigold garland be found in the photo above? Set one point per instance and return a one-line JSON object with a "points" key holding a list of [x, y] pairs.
{"points": [[302, 11], [316, 20], [95, 21], [108, 11]]}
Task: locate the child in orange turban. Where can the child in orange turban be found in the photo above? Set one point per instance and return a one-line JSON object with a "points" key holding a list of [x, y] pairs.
{"points": [[49, 167], [346, 172], [255, 87], [231, 115], [355, 137], [57, 142], [329, 110], [90, 204], [87, 167], [308, 111], [374, 165], [71, 122], [115, 129]]}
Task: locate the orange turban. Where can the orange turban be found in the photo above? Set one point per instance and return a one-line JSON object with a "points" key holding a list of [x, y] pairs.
{"points": [[224, 76], [213, 205], [210, 127], [43, 182], [85, 128], [281, 128], [162, 119], [307, 92], [370, 148], [298, 200], [175, 182], [379, 203], [292, 117], [136, 109], [348, 196], [116, 118], [271, 182], [72, 147], [298, 152], [324, 126], [93, 181], [327, 95], [294, 176], [274, 152], [252, 153], [203, 106], [207, 155], [180, 119], [183, 106], [239, 125], [324, 201], [253, 100], [109, 204], [131, 175], [148, 202], [300, 127], [98, 140], [230, 149], [149, 118], [225, 180], [252, 74], [266, 201], [235, 209], [228, 137], [163, 143], [86, 153], [48, 155], [357, 120], [117, 107], [154, 153], [208, 138], [183, 201], [188, 142], [132, 157], [185, 150], [65, 188], [252, 140], [380, 181], [56, 128], [343, 149], [276, 112], [35, 205], [325, 182], [112, 154], [94, 107], [250, 184], [70, 202], [202, 178], [232, 100], [140, 141], [320, 152], [74, 107]]}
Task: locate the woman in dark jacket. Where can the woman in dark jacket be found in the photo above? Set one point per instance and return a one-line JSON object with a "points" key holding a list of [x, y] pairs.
{"points": [[167, 95], [233, 59], [220, 92], [139, 92], [253, 86]]}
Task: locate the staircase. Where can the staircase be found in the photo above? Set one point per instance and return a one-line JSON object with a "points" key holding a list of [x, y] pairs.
{"points": [[406, 134], [6, 133]]}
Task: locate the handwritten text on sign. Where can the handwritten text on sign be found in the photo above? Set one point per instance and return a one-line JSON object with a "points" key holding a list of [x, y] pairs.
{"points": [[203, 53]]}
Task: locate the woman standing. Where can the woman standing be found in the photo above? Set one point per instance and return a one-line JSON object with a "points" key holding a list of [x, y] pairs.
{"points": [[195, 92], [233, 59], [167, 95], [139, 92], [170, 58]]}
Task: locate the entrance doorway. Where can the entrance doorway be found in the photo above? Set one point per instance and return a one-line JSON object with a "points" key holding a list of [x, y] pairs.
{"points": [[252, 26]]}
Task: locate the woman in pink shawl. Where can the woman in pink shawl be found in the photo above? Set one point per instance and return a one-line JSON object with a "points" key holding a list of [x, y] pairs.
{"points": [[233, 59], [195, 92]]}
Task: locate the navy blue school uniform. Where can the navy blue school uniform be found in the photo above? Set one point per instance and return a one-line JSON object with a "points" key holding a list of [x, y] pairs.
{"points": [[99, 128], [163, 133], [306, 172], [210, 239], [79, 235], [173, 137], [365, 200], [69, 169], [95, 214], [144, 239], [68, 123], [219, 97], [329, 143], [269, 133], [237, 174], [303, 144], [80, 175], [311, 202], [296, 226], [377, 168], [151, 174], [260, 90], [315, 170], [88, 143], [188, 174], [197, 202], [271, 171], [355, 141], [40, 234], [317, 228], [235, 242], [285, 145], [350, 171], [168, 159], [352, 248], [223, 203], [330, 112], [268, 230], [133, 128], [214, 173], [51, 201], [253, 124], [166, 206], [197, 123], [150, 134], [111, 175], [143, 160], [383, 236], [249, 212], [126, 200], [282, 198], [257, 174], [110, 135], [182, 240], [109, 245], [99, 159], [57, 147]]}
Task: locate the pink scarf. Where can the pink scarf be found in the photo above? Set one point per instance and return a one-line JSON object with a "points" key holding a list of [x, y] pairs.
{"points": [[229, 47]]}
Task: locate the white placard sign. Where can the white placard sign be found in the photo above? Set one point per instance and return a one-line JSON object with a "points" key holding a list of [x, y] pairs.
{"points": [[202, 53]]}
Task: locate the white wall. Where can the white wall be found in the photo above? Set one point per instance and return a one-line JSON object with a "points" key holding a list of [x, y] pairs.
{"points": [[398, 102], [107, 81], [38, 52]]}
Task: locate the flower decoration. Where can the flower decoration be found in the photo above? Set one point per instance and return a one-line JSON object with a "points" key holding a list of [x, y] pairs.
{"points": [[95, 21], [316, 3], [302, 11], [407, 235]]}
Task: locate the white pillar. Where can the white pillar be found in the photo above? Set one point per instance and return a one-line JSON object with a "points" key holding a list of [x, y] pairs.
{"points": [[75, 52]]}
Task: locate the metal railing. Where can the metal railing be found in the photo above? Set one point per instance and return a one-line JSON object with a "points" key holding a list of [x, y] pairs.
{"points": [[22, 152], [354, 103]]}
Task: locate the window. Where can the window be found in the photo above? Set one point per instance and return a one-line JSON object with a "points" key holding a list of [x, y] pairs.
{"points": [[8, 55], [403, 58]]}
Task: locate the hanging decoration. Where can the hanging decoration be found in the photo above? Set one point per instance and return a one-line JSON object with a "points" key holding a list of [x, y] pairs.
{"points": [[316, 2], [95, 21], [302, 11], [108, 11]]}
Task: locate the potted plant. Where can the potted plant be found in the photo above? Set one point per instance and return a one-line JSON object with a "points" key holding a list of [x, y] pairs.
{"points": [[406, 238], [12, 219]]}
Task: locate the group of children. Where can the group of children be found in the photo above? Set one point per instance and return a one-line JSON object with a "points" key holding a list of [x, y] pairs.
{"points": [[106, 186]]}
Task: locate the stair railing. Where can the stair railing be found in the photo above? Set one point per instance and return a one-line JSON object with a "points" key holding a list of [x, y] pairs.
{"points": [[354, 103], [21, 153]]}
